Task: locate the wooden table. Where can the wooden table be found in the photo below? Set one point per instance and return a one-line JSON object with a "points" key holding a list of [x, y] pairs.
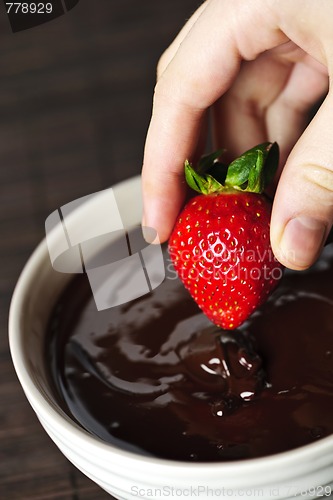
{"points": [[75, 103]]}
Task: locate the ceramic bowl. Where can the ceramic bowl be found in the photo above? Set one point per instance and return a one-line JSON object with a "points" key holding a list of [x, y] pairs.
{"points": [[305, 472]]}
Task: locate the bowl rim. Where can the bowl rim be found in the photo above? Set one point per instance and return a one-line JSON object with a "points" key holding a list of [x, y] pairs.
{"points": [[106, 451]]}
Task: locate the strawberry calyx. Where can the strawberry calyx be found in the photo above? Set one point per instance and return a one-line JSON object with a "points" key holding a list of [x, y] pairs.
{"points": [[251, 172]]}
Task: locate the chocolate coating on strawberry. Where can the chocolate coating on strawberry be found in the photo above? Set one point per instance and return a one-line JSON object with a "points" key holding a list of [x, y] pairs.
{"points": [[220, 245]]}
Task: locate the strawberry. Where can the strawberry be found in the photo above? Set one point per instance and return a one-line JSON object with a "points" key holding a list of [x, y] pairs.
{"points": [[220, 245]]}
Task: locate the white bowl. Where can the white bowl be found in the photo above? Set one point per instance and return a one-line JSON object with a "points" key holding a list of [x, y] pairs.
{"points": [[306, 472]]}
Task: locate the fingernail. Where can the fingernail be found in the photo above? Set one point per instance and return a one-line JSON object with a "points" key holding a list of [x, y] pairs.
{"points": [[302, 240], [149, 234]]}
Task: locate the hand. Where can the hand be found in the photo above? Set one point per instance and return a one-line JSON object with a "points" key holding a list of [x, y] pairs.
{"points": [[259, 65]]}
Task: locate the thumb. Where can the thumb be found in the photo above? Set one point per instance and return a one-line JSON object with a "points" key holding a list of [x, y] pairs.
{"points": [[302, 212]]}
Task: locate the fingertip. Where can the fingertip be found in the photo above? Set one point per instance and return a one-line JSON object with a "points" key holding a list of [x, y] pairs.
{"points": [[299, 243], [162, 203], [160, 227]]}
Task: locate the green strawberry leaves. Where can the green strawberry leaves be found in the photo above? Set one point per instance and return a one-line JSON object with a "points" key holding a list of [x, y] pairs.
{"points": [[254, 168], [251, 172], [202, 183]]}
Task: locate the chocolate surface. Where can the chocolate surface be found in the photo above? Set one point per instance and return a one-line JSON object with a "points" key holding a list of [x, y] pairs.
{"points": [[155, 376]]}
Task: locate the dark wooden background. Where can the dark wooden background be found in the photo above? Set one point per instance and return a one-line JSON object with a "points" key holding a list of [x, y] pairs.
{"points": [[75, 102]]}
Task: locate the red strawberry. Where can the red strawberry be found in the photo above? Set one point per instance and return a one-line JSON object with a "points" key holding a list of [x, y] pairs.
{"points": [[220, 245]]}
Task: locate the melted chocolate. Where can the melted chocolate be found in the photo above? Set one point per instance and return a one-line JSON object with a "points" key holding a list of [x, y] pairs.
{"points": [[155, 376]]}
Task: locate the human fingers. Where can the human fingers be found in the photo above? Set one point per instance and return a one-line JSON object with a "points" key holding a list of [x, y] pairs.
{"points": [[163, 63], [158, 204], [202, 69], [270, 101], [303, 206], [240, 116], [289, 113]]}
